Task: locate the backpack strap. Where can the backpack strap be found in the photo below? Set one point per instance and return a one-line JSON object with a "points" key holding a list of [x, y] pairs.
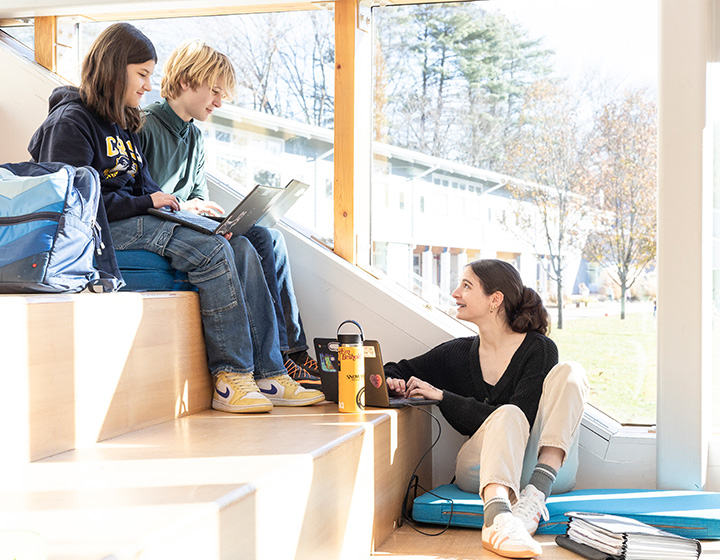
{"points": [[110, 278]]}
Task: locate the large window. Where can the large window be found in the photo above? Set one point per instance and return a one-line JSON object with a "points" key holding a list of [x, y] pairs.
{"points": [[280, 125], [24, 33], [518, 130], [714, 120], [501, 129]]}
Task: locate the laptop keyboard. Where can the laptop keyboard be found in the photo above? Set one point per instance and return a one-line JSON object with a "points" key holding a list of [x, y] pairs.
{"points": [[201, 221]]}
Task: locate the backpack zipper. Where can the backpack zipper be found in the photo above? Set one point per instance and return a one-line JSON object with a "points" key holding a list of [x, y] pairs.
{"points": [[97, 235], [34, 217]]}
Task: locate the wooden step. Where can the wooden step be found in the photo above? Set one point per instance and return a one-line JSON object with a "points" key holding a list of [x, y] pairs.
{"points": [[81, 368], [295, 483]]}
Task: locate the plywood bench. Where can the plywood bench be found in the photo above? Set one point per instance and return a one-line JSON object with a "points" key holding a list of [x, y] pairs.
{"points": [[86, 367]]}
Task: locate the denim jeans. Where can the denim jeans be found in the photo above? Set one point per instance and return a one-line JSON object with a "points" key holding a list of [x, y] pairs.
{"points": [[505, 451], [270, 246], [238, 319]]}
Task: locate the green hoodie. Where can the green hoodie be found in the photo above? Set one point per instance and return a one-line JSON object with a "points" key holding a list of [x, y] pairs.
{"points": [[174, 151]]}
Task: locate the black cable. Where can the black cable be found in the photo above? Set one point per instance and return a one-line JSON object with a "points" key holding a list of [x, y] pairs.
{"points": [[406, 514]]}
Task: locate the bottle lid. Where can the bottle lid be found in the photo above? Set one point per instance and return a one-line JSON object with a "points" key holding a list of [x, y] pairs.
{"points": [[350, 339], [354, 338]]}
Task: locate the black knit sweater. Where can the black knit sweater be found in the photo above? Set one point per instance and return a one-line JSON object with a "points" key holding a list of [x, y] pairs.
{"points": [[467, 401]]}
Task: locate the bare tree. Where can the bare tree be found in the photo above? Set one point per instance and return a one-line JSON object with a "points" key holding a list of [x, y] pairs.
{"points": [[254, 44], [551, 211], [624, 148], [308, 71]]}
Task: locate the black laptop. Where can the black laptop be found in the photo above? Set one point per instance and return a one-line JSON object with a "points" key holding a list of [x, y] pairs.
{"points": [[376, 390]]}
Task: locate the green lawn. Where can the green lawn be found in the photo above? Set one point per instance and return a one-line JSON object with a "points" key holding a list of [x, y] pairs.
{"points": [[621, 361]]}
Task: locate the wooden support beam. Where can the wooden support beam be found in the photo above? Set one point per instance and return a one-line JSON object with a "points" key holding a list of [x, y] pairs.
{"points": [[353, 129], [46, 42]]}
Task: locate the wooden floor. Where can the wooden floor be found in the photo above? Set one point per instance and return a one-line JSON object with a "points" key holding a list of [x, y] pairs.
{"points": [[406, 544], [465, 544]]}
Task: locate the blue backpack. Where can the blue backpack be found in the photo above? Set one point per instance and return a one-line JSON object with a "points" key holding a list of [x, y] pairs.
{"points": [[54, 235]]}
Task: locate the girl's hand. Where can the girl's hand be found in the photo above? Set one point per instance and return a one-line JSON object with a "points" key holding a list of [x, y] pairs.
{"points": [[417, 388], [396, 387], [161, 199]]}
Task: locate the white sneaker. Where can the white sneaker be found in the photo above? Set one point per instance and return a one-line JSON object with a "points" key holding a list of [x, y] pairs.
{"points": [[282, 390], [507, 537], [530, 508]]}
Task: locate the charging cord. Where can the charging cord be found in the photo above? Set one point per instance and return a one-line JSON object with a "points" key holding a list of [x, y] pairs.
{"points": [[414, 485]]}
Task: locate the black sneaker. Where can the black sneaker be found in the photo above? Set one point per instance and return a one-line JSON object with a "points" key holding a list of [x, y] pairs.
{"points": [[304, 360], [301, 375]]}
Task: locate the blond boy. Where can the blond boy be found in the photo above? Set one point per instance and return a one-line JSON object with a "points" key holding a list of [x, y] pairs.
{"points": [[196, 79]]}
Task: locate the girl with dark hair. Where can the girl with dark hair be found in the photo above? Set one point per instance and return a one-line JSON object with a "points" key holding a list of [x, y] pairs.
{"points": [[506, 390], [96, 125]]}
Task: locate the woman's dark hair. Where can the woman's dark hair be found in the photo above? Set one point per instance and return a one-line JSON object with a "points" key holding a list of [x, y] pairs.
{"points": [[523, 307], [104, 73]]}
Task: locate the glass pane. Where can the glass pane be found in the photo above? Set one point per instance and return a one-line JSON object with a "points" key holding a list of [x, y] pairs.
{"points": [[713, 112], [25, 34], [525, 131], [280, 125]]}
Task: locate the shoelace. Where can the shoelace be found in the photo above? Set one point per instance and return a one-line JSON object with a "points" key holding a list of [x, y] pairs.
{"points": [[240, 383], [289, 383], [295, 371], [511, 527], [310, 363], [528, 505]]}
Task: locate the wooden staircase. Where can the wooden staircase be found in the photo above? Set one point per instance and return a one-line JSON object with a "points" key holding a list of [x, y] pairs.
{"points": [[110, 449]]}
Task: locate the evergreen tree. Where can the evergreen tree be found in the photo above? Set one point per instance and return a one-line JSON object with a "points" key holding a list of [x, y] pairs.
{"points": [[454, 79]]}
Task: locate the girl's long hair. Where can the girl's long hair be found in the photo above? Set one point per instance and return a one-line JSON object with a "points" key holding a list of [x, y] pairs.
{"points": [[523, 307], [104, 73]]}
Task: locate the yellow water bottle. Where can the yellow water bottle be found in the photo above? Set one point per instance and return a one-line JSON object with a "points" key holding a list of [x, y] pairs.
{"points": [[351, 376]]}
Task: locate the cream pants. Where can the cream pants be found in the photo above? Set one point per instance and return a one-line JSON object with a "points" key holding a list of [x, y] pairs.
{"points": [[505, 451]]}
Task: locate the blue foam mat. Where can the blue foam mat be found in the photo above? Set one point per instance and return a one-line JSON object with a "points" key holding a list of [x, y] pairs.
{"points": [[686, 513]]}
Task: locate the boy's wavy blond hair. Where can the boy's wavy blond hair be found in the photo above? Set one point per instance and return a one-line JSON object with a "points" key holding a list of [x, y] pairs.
{"points": [[196, 63]]}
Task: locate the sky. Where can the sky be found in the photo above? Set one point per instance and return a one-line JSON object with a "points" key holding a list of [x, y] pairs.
{"points": [[614, 38]]}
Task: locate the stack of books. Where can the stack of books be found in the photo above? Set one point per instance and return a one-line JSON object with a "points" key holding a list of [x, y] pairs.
{"points": [[600, 536]]}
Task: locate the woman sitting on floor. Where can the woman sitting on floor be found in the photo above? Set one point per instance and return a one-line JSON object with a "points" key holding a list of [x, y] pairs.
{"points": [[506, 390]]}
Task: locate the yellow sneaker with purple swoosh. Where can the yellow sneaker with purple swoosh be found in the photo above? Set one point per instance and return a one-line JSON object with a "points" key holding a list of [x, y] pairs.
{"points": [[282, 390], [238, 392]]}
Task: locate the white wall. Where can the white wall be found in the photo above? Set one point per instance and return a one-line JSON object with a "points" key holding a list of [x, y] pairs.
{"points": [[24, 92], [684, 236]]}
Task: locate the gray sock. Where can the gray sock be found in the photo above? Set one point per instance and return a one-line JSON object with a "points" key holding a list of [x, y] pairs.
{"points": [[493, 507], [542, 478]]}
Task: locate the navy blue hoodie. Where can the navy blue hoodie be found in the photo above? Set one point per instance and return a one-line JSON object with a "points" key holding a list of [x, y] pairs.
{"points": [[75, 135]]}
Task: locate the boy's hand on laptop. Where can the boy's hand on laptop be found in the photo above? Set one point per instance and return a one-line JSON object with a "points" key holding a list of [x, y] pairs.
{"points": [[417, 388], [204, 207], [161, 199]]}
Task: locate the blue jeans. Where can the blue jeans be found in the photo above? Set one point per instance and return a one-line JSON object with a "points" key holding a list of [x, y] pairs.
{"points": [[241, 334], [270, 246]]}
